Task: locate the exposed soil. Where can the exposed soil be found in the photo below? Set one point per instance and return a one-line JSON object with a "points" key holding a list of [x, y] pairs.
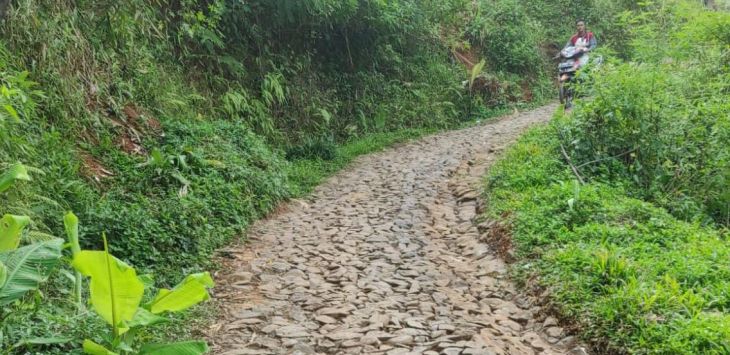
{"points": [[386, 257]]}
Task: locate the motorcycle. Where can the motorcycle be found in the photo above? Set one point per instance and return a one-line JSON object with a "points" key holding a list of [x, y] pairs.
{"points": [[571, 59]]}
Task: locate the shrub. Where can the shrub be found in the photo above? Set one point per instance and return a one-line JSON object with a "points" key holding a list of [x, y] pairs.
{"points": [[662, 123]]}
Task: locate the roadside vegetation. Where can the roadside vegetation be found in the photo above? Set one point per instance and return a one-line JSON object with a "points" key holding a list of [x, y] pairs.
{"points": [[171, 125], [621, 208]]}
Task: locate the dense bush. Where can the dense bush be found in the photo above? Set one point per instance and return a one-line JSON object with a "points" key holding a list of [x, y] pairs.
{"points": [[507, 36], [631, 276], [661, 122], [637, 256]]}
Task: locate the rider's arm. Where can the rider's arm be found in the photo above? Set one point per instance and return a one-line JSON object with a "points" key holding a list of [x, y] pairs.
{"points": [[592, 43]]}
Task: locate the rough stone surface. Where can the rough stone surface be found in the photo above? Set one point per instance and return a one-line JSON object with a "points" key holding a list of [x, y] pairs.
{"points": [[385, 257]]}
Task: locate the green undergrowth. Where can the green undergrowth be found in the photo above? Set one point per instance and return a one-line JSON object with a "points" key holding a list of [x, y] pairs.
{"points": [[632, 277], [172, 125]]}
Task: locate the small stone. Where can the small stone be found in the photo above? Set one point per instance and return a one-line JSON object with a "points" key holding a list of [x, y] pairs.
{"points": [[269, 328], [279, 266], [380, 335], [567, 342], [350, 343], [443, 282], [521, 316], [554, 332], [369, 340], [401, 340], [326, 343], [292, 331], [550, 322], [534, 341], [510, 324], [337, 311], [343, 335], [325, 319], [414, 324], [247, 314]]}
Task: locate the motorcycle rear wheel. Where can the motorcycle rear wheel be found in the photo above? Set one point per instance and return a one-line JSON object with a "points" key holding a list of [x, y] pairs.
{"points": [[565, 94]]}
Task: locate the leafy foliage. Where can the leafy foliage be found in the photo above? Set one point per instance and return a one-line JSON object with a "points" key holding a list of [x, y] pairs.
{"points": [[115, 289], [116, 293], [171, 125], [26, 267], [661, 123], [650, 137], [633, 277]]}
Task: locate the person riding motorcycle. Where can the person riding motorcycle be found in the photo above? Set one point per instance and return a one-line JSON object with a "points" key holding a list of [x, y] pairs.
{"points": [[584, 41], [573, 56]]}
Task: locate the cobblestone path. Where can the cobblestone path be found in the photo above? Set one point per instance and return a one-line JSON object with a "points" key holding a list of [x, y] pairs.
{"points": [[385, 258]]}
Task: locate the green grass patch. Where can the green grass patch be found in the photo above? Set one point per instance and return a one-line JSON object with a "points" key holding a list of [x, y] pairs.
{"points": [[635, 278]]}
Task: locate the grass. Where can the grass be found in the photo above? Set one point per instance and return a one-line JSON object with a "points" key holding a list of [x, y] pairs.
{"points": [[634, 278]]}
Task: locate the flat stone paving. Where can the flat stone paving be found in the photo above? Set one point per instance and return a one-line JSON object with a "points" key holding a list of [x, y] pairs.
{"points": [[386, 258]]}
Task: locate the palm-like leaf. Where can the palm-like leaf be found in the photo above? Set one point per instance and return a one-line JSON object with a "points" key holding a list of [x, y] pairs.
{"points": [[26, 267]]}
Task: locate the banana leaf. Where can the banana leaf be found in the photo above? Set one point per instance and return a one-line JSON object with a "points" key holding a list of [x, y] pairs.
{"points": [[189, 292], [181, 348], [16, 172], [144, 317], [27, 267], [11, 227], [93, 348], [116, 291], [475, 71]]}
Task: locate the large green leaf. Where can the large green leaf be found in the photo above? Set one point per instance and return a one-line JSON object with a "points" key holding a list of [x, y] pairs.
{"points": [[11, 227], [115, 289], [189, 292], [27, 267], [144, 317], [93, 348], [475, 71], [181, 348], [16, 172]]}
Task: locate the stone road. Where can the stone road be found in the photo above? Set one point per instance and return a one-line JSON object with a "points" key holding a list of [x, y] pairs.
{"points": [[385, 258]]}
